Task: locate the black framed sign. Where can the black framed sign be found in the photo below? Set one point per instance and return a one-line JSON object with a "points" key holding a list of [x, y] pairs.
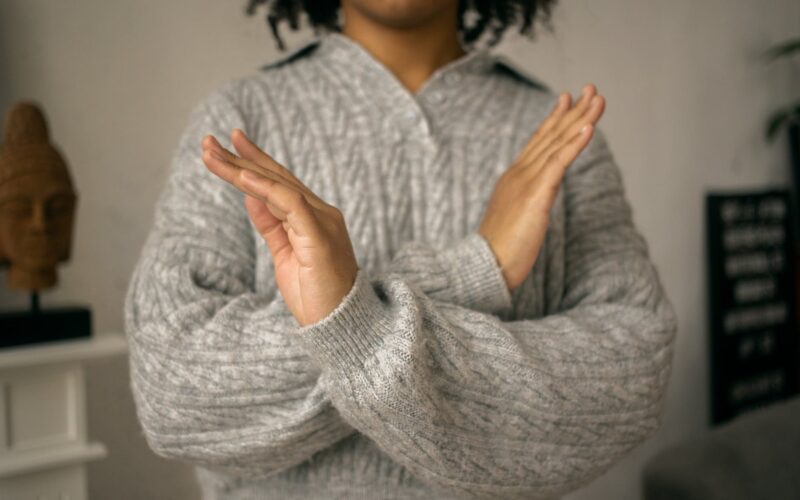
{"points": [[753, 340]]}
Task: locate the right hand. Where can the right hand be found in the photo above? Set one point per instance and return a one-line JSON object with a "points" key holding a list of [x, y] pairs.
{"points": [[515, 222], [315, 266]]}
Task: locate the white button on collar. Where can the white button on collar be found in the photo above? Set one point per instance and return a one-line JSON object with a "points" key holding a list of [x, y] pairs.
{"points": [[435, 96], [452, 78]]}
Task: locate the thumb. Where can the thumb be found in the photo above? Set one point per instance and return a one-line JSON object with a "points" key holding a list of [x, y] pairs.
{"points": [[268, 226]]}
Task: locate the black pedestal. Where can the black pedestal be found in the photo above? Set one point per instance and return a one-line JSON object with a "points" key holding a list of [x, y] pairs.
{"points": [[45, 325]]}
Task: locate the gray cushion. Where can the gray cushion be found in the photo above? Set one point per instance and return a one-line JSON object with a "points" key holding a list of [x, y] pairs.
{"points": [[756, 456]]}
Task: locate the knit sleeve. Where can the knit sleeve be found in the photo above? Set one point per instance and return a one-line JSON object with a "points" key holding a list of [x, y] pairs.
{"points": [[218, 374], [466, 273], [529, 408]]}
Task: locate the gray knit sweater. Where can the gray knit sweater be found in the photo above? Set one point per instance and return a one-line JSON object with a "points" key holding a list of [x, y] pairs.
{"points": [[430, 379]]}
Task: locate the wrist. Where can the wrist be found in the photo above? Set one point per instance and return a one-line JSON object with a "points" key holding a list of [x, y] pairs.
{"points": [[338, 292]]}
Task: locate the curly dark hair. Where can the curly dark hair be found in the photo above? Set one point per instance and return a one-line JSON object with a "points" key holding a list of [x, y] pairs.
{"points": [[490, 16]]}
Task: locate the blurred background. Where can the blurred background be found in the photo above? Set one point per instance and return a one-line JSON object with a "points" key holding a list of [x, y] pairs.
{"points": [[688, 97]]}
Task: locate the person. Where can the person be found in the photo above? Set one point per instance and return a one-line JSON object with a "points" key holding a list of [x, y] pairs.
{"points": [[392, 265]]}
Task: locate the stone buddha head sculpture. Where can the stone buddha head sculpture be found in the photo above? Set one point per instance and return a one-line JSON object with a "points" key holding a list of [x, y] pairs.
{"points": [[37, 201]]}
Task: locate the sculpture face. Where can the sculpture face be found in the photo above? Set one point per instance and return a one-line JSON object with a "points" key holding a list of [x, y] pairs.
{"points": [[37, 201], [36, 218]]}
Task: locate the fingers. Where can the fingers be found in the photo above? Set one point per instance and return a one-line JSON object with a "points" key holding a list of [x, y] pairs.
{"points": [[255, 158], [584, 111], [249, 151], [264, 165], [576, 113], [223, 152], [211, 144], [563, 104], [555, 129], [580, 107], [590, 118], [223, 169], [299, 212], [232, 174], [561, 159], [232, 163]]}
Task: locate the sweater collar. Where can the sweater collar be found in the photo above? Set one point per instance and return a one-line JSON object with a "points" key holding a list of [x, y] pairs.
{"points": [[339, 47], [343, 48], [375, 81], [411, 111]]}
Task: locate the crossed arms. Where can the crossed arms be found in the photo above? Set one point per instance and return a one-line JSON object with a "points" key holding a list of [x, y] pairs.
{"points": [[416, 358]]}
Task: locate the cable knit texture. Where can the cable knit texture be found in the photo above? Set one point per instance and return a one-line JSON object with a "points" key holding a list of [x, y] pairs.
{"points": [[430, 379]]}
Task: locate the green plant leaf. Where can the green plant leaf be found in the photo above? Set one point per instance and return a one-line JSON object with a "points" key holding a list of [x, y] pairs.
{"points": [[783, 49], [775, 124], [780, 118]]}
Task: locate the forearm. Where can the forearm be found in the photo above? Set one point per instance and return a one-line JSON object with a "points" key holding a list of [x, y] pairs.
{"points": [[218, 375], [486, 408], [528, 408], [219, 378]]}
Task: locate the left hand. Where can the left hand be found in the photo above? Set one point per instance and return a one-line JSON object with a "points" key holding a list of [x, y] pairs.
{"points": [[315, 266], [516, 219]]}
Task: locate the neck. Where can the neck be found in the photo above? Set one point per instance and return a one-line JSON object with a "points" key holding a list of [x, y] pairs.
{"points": [[31, 279], [411, 53]]}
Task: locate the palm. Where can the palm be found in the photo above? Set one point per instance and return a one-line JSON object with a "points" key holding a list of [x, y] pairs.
{"points": [[315, 266], [294, 258], [515, 223]]}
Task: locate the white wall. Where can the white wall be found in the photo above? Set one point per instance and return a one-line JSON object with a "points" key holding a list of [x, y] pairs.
{"points": [[687, 100]]}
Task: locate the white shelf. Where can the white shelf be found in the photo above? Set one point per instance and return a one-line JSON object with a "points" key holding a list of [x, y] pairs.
{"points": [[49, 458], [99, 346]]}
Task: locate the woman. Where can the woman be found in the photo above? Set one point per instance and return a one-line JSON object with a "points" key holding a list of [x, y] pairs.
{"points": [[367, 279]]}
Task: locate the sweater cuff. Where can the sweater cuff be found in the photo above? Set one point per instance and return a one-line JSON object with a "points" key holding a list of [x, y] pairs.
{"points": [[475, 276], [353, 331]]}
